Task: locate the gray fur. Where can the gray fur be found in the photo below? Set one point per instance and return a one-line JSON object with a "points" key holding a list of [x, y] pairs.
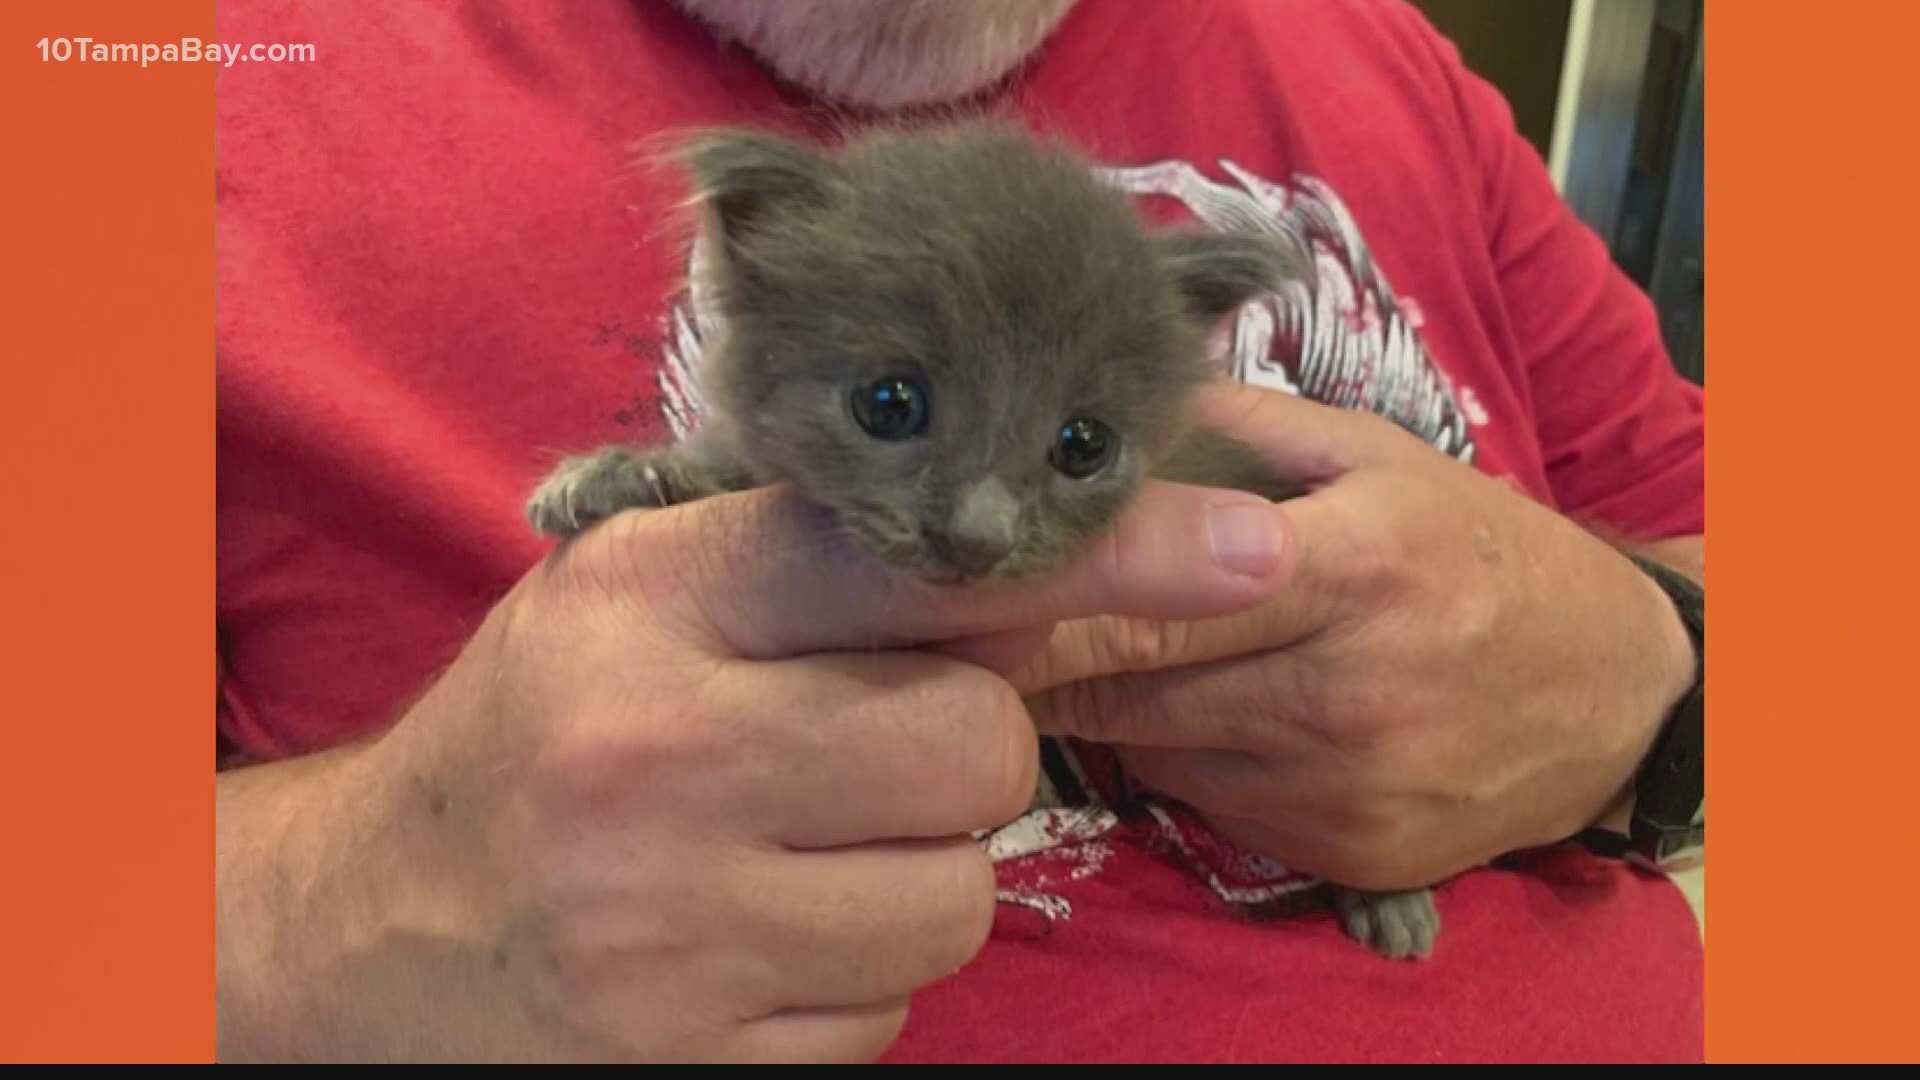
{"points": [[994, 268], [997, 270], [589, 488], [1397, 925]]}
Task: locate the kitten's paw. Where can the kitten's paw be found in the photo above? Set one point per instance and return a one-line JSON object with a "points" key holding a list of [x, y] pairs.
{"points": [[1396, 925], [586, 490]]}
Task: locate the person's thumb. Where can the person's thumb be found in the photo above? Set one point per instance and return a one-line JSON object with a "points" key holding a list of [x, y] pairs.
{"points": [[764, 574]]}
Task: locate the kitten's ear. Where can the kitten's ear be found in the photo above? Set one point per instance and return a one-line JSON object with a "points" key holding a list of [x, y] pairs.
{"points": [[1218, 272], [741, 176]]}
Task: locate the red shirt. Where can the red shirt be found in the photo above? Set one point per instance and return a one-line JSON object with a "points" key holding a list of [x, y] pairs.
{"points": [[437, 270]]}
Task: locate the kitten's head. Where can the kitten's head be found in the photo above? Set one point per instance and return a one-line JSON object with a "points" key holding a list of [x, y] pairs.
{"points": [[957, 339]]}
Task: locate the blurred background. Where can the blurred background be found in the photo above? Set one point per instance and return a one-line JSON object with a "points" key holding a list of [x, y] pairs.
{"points": [[1609, 91]]}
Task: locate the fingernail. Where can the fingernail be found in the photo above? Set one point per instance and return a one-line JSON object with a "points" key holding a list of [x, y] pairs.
{"points": [[1246, 539]]}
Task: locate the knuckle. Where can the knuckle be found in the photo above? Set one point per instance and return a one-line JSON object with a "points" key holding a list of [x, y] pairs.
{"points": [[583, 782], [1101, 710], [1071, 652], [1052, 665], [1473, 611], [1380, 564], [1131, 645], [1310, 702], [662, 758], [1356, 716], [1355, 738], [1378, 552]]}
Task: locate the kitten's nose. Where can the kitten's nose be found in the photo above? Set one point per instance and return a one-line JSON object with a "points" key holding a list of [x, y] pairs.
{"points": [[982, 529], [972, 555]]}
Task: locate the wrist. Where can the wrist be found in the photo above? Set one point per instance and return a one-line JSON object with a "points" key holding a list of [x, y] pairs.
{"points": [[1660, 814], [301, 868], [1657, 665], [1680, 662], [264, 864]]}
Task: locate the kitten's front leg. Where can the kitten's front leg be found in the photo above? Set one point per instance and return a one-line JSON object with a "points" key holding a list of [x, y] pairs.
{"points": [[585, 490], [1396, 925]]}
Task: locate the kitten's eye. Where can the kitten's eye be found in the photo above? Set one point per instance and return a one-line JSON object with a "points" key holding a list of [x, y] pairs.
{"points": [[891, 408], [1082, 448]]}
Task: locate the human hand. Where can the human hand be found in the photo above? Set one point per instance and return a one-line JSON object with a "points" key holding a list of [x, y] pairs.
{"points": [[1452, 671], [690, 793]]}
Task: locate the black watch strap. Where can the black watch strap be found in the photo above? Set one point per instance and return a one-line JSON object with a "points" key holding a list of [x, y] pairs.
{"points": [[1669, 820]]}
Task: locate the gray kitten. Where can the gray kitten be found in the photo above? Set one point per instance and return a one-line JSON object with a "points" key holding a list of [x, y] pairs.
{"points": [[965, 346]]}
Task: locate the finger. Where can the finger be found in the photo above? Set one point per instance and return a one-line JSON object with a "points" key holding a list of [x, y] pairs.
{"points": [[1105, 645], [855, 1035], [1334, 554], [1003, 652], [864, 925], [847, 748], [763, 574], [1268, 705]]}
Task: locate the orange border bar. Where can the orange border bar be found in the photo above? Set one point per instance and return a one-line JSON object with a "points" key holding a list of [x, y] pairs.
{"points": [[106, 577], [1813, 145]]}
